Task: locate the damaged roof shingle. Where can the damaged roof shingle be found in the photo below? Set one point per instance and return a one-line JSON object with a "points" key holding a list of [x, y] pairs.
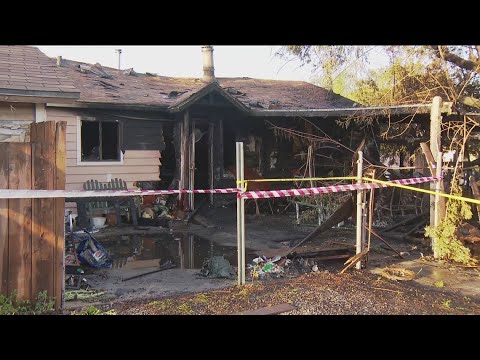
{"points": [[151, 89], [103, 85], [25, 70]]}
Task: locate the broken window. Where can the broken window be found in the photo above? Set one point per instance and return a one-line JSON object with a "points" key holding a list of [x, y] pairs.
{"points": [[100, 140]]}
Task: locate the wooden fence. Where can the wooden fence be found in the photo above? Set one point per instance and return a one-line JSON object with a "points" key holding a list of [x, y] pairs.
{"points": [[32, 230]]}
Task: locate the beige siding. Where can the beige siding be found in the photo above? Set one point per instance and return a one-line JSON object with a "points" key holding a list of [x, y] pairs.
{"points": [[17, 111], [137, 165]]}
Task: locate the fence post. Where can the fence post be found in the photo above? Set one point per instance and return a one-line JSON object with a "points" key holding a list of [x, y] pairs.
{"points": [[435, 144], [240, 215], [359, 209], [438, 187]]}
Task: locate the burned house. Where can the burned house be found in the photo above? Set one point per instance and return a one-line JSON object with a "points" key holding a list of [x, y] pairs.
{"points": [[161, 132]]}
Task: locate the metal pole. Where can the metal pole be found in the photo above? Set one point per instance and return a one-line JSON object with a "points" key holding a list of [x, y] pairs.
{"points": [[239, 172], [119, 51], [242, 213], [438, 187], [359, 209]]}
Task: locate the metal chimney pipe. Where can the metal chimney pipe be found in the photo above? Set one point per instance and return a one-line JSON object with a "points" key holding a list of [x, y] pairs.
{"points": [[208, 69], [119, 51], [59, 61]]}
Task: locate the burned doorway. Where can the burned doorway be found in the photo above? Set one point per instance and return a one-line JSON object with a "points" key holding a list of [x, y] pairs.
{"points": [[200, 134], [168, 160], [229, 156]]}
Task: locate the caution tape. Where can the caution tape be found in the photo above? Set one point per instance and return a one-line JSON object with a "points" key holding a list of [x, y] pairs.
{"points": [[48, 194], [371, 184], [240, 182], [331, 189], [448, 196]]}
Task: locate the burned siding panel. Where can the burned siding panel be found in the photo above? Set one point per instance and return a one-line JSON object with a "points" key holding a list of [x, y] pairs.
{"points": [[138, 165], [15, 119], [143, 135]]}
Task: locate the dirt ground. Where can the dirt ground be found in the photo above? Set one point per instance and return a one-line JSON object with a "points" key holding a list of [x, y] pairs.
{"points": [[436, 288], [320, 293]]}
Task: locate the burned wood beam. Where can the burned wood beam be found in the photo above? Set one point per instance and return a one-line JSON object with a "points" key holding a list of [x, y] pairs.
{"points": [[429, 157], [162, 268], [416, 227], [341, 214], [354, 259], [386, 243], [404, 222], [476, 193]]}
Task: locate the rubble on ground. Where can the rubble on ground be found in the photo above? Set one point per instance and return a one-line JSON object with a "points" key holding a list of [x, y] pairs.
{"points": [[278, 267], [218, 267]]}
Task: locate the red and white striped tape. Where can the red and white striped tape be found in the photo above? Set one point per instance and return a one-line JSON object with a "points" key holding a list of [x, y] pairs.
{"points": [[328, 189], [44, 194]]}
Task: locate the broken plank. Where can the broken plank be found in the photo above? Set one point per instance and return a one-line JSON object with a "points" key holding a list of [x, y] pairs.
{"points": [[269, 310], [386, 243], [170, 266], [404, 222], [430, 160], [202, 220], [341, 214], [353, 260], [416, 227], [332, 257]]}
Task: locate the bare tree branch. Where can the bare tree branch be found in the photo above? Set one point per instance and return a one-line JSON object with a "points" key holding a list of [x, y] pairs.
{"points": [[470, 101], [443, 53]]}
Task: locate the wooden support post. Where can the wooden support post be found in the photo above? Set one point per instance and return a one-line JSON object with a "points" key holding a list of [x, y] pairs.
{"points": [[240, 216], [438, 187], [191, 167], [371, 207], [476, 193], [359, 232], [211, 165], [435, 144], [184, 133]]}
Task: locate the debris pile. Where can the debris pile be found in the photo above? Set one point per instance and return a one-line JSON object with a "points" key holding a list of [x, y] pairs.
{"points": [[397, 274], [277, 267], [156, 213], [217, 267]]}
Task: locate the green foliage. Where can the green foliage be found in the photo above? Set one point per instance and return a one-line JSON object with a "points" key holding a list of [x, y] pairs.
{"points": [[447, 303], [439, 284], [92, 310], [415, 74], [10, 305], [447, 245]]}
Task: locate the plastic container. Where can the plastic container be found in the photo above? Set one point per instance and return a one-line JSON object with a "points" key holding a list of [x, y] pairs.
{"points": [[99, 221]]}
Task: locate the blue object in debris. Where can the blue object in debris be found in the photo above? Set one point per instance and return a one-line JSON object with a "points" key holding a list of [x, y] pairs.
{"points": [[91, 252]]}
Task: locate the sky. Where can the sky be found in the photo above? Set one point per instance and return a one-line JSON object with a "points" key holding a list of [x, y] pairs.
{"points": [[186, 61]]}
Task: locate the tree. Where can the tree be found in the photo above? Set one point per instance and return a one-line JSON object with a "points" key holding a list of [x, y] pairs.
{"points": [[415, 74], [451, 71]]}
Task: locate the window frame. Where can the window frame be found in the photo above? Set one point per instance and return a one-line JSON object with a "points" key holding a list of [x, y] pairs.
{"points": [[79, 143]]}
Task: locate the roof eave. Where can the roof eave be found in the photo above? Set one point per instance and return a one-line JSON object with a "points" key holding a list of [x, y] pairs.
{"points": [[38, 96], [103, 105], [361, 111]]}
